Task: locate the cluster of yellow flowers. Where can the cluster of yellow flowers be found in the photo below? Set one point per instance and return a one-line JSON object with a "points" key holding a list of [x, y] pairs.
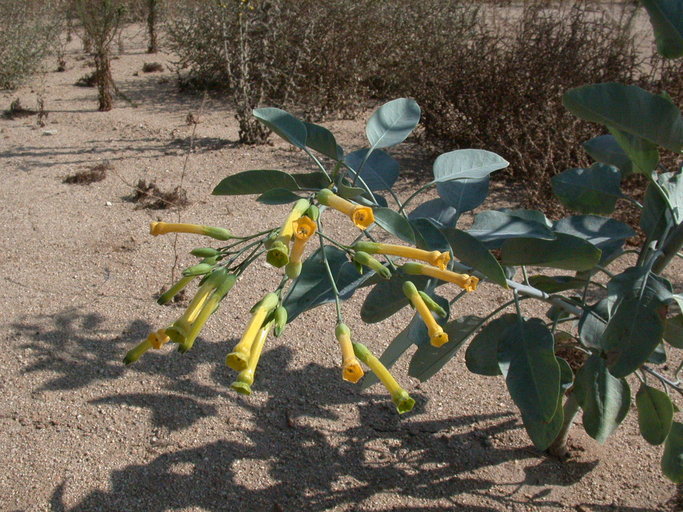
{"points": [[285, 247]]}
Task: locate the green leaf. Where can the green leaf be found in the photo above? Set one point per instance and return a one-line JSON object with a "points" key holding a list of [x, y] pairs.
{"points": [[592, 190], [283, 124], [387, 297], [592, 324], [605, 399], [436, 210], [414, 334], [672, 459], [630, 109], [254, 182], [428, 360], [428, 235], [555, 284], [481, 356], [606, 234], [673, 331], [379, 171], [394, 223], [348, 192], [529, 215], [473, 253], [606, 150], [391, 123], [543, 433], [527, 359], [467, 163], [642, 153], [493, 227], [312, 288], [656, 215], [321, 140], [566, 252], [313, 180], [655, 414], [464, 194], [666, 17], [566, 374], [278, 196]]}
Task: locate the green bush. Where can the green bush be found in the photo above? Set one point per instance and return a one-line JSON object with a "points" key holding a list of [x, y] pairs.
{"points": [[27, 31]]}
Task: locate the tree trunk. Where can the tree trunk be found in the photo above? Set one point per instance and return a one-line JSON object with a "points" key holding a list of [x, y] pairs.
{"points": [[152, 8], [559, 446], [105, 83]]}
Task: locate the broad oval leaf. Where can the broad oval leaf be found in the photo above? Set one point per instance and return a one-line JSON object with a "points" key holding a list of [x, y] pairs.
{"points": [[311, 180], [543, 433], [254, 182], [592, 190], [673, 331], [494, 227], [284, 124], [605, 399], [656, 215], [630, 109], [556, 284], [465, 194], [391, 123], [394, 223], [599, 231], [606, 150], [379, 171], [655, 414], [428, 360], [278, 196], [428, 235], [672, 459], [321, 140], [642, 153], [566, 374], [387, 297], [467, 163], [436, 210], [565, 252], [473, 253], [527, 359], [592, 324], [481, 356], [666, 17]]}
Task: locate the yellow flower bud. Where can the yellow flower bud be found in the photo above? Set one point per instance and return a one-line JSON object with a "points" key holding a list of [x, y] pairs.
{"points": [[351, 370], [278, 249], [439, 259], [162, 228], [362, 216], [464, 281], [437, 336]]}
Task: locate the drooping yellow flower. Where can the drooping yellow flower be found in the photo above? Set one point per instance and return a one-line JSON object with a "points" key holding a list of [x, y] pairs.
{"points": [[399, 396], [436, 258], [155, 340], [245, 378], [168, 295], [162, 228], [437, 336], [362, 216], [158, 339], [464, 281], [239, 357], [278, 250], [304, 228], [365, 259], [351, 370]]}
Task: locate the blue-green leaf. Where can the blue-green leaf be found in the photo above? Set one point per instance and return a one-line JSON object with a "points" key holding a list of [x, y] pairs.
{"points": [[656, 216], [672, 459], [464, 194], [527, 359], [566, 252], [606, 150], [592, 324], [391, 123], [592, 190], [605, 399], [655, 414], [467, 163], [543, 433], [311, 180], [394, 223], [642, 153], [599, 231], [428, 360], [555, 284], [428, 235], [321, 140], [473, 253], [284, 124], [387, 297], [493, 228], [379, 172], [666, 17], [278, 196], [254, 182], [630, 109], [436, 210], [481, 356]]}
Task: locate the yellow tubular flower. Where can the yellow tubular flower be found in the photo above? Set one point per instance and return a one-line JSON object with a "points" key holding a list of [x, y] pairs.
{"points": [[437, 336], [168, 295], [278, 250], [162, 228], [436, 258], [159, 338], [464, 281], [351, 370], [304, 228], [210, 305], [245, 378], [362, 216], [238, 358], [400, 396], [136, 353]]}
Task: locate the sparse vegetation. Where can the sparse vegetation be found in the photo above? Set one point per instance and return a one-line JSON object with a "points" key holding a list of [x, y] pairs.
{"points": [[17, 111], [92, 174], [152, 67], [150, 196]]}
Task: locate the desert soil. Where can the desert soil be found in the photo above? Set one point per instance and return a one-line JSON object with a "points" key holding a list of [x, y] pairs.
{"points": [[79, 431]]}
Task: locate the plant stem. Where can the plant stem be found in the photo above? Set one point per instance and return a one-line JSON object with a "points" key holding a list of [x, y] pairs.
{"points": [[333, 284], [559, 446]]}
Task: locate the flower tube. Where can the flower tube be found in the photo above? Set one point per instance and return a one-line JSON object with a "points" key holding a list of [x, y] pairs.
{"points": [[245, 378], [437, 336], [278, 250], [155, 340], [365, 259], [174, 290], [399, 396], [351, 370], [362, 216], [436, 258], [464, 281], [304, 228], [162, 228], [239, 357]]}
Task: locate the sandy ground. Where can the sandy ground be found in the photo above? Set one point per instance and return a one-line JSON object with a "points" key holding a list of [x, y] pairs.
{"points": [[81, 432]]}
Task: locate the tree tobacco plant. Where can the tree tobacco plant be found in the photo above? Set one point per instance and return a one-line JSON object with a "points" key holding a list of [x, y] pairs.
{"points": [[617, 326]]}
